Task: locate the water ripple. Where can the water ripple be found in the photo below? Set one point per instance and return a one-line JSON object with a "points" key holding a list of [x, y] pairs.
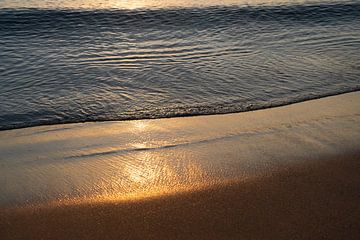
{"points": [[73, 65]]}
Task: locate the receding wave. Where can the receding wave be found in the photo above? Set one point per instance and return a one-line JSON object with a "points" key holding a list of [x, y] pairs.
{"points": [[62, 66]]}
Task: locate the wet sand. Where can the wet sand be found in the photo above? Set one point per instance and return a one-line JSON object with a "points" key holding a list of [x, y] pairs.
{"points": [[291, 172], [320, 201]]}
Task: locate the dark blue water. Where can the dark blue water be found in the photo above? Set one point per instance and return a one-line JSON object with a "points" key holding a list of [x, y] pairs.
{"points": [[60, 65]]}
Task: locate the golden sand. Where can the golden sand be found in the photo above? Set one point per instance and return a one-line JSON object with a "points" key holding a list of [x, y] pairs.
{"points": [[285, 173]]}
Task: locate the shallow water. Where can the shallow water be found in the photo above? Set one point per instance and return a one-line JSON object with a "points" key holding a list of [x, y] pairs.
{"points": [[77, 61]]}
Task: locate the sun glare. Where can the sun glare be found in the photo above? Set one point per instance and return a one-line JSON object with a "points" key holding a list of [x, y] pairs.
{"points": [[135, 4]]}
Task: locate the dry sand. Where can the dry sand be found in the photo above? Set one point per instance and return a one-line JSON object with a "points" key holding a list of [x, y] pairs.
{"points": [[291, 172]]}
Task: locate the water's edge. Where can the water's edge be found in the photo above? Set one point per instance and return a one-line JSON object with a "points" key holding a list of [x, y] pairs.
{"points": [[249, 109]]}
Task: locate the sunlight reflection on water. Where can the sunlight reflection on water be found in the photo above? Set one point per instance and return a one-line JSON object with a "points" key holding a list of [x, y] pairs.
{"points": [[138, 4]]}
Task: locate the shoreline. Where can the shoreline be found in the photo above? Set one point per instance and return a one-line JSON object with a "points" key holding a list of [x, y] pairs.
{"points": [[251, 109], [278, 173]]}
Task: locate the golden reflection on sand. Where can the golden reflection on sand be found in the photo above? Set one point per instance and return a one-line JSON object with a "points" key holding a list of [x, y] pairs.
{"points": [[129, 160], [151, 174], [139, 126]]}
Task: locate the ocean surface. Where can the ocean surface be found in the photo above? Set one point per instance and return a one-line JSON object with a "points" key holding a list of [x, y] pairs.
{"points": [[76, 61]]}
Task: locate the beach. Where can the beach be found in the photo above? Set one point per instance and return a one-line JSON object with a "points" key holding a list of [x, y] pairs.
{"points": [[289, 172], [168, 119]]}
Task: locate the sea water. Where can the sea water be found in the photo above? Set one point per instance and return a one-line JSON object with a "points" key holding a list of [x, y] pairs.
{"points": [[77, 61]]}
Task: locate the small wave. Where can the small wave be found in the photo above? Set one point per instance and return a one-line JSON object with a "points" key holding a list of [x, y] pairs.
{"points": [[184, 111]]}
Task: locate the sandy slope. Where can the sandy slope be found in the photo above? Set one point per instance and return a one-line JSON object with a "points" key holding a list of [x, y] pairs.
{"points": [[285, 173]]}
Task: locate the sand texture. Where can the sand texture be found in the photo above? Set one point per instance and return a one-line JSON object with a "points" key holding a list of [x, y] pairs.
{"points": [[290, 172]]}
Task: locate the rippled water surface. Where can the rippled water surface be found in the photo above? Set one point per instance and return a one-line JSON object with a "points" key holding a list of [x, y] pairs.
{"points": [[75, 61]]}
